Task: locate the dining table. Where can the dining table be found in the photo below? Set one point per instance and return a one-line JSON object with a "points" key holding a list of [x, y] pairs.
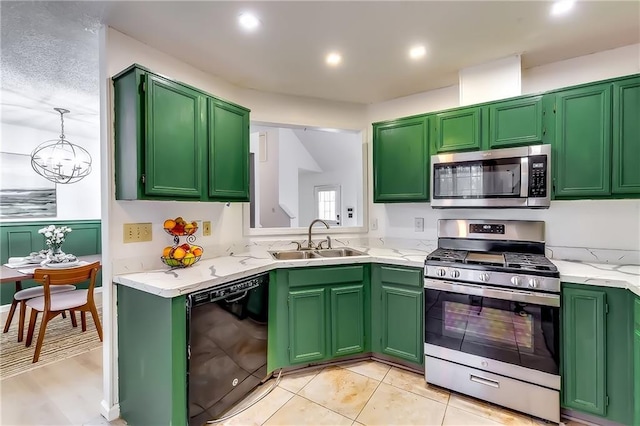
{"points": [[17, 275]]}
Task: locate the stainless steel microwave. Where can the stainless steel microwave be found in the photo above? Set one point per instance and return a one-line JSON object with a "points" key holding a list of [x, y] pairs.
{"points": [[502, 178]]}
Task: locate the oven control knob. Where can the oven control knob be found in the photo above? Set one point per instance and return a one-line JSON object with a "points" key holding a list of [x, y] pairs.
{"points": [[484, 277], [441, 272], [516, 281], [454, 273], [533, 283]]}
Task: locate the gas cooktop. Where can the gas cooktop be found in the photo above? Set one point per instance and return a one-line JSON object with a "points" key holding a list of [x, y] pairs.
{"points": [[500, 253]]}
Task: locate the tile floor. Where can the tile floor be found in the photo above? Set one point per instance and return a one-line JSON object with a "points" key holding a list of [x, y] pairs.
{"points": [[367, 393]]}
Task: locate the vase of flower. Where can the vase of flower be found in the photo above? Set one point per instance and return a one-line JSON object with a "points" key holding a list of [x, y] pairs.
{"points": [[54, 237]]}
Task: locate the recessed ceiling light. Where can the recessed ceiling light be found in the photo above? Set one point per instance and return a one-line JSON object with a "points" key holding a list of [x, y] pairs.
{"points": [[561, 7], [417, 52], [248, 21], [334, 58]]}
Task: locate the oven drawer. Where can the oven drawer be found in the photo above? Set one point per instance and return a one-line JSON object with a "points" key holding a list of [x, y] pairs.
{"points": [[521, 396]]}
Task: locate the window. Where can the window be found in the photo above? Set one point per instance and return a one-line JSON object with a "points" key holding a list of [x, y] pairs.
{"points": [[328, 203]]}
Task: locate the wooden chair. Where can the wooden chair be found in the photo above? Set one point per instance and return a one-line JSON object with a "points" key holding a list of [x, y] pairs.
{"points": [[21, 297], [52, 304]]}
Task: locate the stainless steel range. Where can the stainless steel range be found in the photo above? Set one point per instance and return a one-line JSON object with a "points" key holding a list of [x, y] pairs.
{"points": [[492, 315]]}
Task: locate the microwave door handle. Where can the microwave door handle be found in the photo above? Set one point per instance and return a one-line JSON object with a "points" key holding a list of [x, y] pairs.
{"points": [[524, 180]]}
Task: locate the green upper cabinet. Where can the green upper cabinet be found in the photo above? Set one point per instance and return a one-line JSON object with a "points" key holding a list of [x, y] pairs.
{"points": [[626, 136], [458, 130], [396, 309], [583, 142], [176, 134], [515, 122], [401, 160], [174, 142], [228, 151]]}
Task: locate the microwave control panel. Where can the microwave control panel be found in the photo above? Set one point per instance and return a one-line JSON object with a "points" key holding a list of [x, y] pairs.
{"points": [[538, 176]]}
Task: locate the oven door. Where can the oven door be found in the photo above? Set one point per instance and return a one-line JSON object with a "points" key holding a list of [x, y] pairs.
{"points": [[473, 324]]}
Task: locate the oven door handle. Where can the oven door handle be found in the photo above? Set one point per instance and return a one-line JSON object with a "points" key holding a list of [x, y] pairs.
{"points": [[543, 299]]}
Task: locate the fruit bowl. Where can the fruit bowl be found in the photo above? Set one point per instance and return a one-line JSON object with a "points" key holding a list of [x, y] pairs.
{"points": [[181, 256], [178, 227], [175, 263]]}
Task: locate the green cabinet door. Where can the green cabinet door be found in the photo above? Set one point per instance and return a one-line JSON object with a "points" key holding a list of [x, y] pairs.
{"points": [[458, 130], [626, 136], [396, 311], [583, 142], [584, 361], [307, 325], [636, 362], [347, 320], [401, 160], [175, 139], [516, 122], [228, 152]]}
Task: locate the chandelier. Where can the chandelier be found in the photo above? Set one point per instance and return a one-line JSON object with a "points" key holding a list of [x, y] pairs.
{"points": [[60, 161]]}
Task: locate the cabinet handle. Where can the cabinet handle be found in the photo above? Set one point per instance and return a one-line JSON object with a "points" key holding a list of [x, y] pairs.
{"points": [[484, 381]]}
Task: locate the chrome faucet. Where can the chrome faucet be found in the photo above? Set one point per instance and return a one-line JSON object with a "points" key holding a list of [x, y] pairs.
{"points": [[313, 222]]}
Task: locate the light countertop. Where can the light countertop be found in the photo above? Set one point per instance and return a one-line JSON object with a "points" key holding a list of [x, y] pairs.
{"points": [[208, 273]]}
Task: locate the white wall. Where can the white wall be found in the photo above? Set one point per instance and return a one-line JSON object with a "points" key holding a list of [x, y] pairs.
{"points": [[121, 52], [293, 158], [351, 192], [271, 215], [608, 224], [85, 133]]}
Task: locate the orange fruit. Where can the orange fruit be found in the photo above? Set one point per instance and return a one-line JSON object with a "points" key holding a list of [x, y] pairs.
{"points": [[169, 224], [197, 251], [167, 251], [189, 259], [179, 253]]}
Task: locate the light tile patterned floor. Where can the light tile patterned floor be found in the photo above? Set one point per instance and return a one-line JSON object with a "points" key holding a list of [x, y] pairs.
{"points": [[368, 393]]}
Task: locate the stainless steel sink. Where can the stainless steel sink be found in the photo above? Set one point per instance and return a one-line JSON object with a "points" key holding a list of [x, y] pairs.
{"points": [[315, 254], [293, 254], [341, 252]]}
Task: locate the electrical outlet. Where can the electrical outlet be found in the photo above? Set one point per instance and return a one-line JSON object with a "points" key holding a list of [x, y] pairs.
{"points": [[374, 224], [419, 224], [137, 232], [206, 228]]}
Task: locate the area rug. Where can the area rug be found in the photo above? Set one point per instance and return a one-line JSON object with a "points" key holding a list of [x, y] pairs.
{"points": [[61, 341]]}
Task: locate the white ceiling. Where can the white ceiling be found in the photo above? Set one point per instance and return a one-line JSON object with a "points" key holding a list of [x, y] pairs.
{"points": [[286, 55], [49, 50]]}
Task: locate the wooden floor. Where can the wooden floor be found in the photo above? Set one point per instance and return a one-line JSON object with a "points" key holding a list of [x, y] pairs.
{"points": [[67, 392]]}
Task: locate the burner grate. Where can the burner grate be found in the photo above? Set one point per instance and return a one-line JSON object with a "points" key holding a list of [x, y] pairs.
{"points": [[445, 255], [526, 261]]}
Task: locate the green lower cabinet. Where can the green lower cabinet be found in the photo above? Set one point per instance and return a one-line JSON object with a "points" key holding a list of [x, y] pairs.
{"points": [[347, 320], [307, 325], [597, 352], [584, 350], [317, 314], [152, 359], [636, 364], [396, 308]]}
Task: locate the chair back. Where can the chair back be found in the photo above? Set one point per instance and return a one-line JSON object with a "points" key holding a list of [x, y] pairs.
{"points": [[75, 275]]}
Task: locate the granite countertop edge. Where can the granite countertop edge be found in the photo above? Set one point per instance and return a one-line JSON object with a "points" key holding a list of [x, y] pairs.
{"points": [[209, 273]]}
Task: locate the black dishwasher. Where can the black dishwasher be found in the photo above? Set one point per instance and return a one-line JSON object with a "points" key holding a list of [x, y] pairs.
{"points": [[227, 348]]}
